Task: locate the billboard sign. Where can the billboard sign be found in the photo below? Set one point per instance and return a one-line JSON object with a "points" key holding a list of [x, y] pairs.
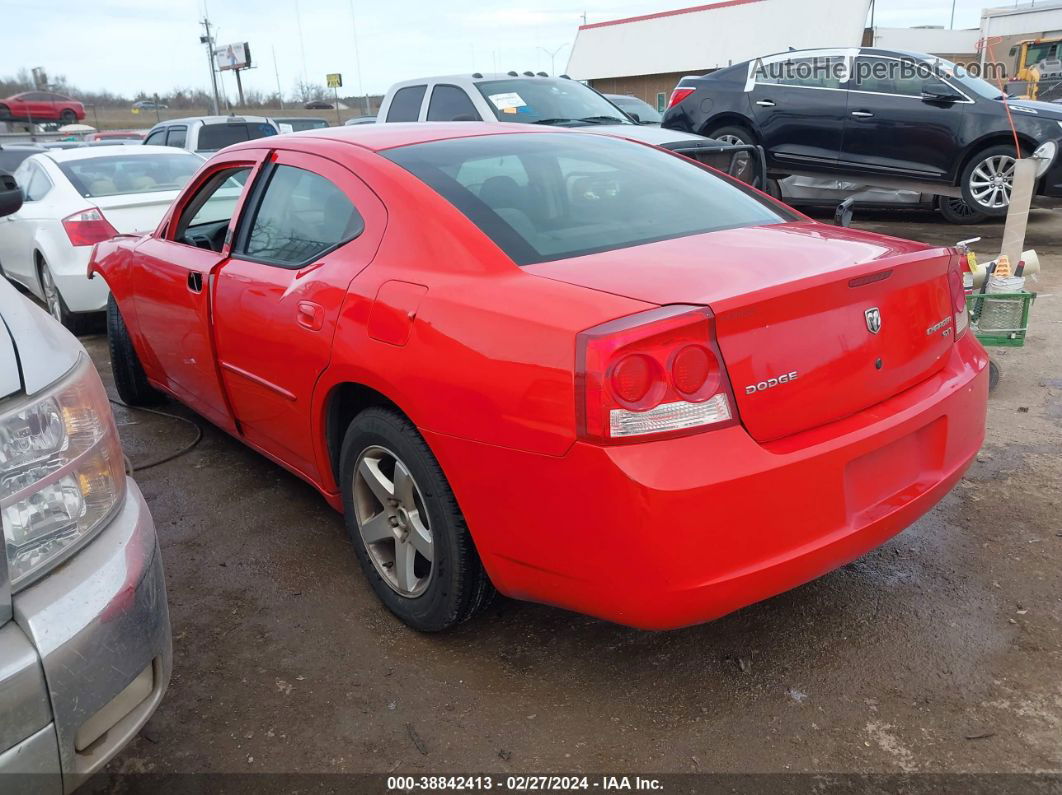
{"points": [[233, 56]]}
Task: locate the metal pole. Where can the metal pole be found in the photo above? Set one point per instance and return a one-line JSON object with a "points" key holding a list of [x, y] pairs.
{"points": [[239, 86], [951, 25], [276, 71], [158, 118], [302, 45], [209, 41], [335, 94], [357, 57]]}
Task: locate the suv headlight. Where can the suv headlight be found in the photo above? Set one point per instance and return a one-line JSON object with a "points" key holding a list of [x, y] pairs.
{"points": [[61, 472]]}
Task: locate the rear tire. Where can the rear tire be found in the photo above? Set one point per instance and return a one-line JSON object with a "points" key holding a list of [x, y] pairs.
{"points": [[77, 323], [68, 116], [433, 595], [993, 375], [956, 211], [733, 134], [129, 378]]}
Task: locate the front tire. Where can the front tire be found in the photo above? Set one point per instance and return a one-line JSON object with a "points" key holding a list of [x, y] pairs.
{"points": [[68, 116], [987, 180], [129, 378], [407, 529], [78, 323]]}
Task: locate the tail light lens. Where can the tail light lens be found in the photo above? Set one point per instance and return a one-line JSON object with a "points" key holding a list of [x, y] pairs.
{"points": [[88, 227], [958, 296], [678, 95], [652, 375]]}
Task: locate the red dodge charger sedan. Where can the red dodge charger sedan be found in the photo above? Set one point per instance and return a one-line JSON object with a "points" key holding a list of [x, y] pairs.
{"points": [[575, 369]]}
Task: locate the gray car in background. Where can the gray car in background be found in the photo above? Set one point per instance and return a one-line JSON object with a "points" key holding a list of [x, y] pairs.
{"points": [[85, 650]]}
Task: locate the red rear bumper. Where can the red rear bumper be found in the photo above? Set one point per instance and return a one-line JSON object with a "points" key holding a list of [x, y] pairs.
{"points": [[672, 533]]}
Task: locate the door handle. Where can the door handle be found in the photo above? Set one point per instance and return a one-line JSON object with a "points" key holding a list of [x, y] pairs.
{"points": [[310, 315], [862, 114], [195, 281], [765, 103]]}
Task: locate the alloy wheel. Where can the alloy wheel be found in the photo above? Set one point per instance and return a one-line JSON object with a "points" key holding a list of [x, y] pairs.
{"points": [[729, 139], [959, 207], [393, 521], [991, 181], [51, 294]]}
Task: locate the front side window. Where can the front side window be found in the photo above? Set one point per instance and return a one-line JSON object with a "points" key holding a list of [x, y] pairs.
{"points": [[405, 104], [301, 216], [205, 219], [111, 176], [575, 194], [177, 136], [157, 138], [891, 76], [450, 103]]}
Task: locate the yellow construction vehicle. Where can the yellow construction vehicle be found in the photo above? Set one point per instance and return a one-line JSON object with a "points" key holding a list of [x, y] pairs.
{"points": [[1037, 69]]}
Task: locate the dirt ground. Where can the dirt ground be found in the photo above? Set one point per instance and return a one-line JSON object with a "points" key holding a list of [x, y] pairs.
{"points": [[939, 652]]}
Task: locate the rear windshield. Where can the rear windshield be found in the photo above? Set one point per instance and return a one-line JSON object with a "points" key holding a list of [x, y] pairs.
{"points": [[114, 174], [217, 136], [544, 197]]}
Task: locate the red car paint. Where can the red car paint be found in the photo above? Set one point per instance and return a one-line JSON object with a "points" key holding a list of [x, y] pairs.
{"points": [[484, 356], [39, 106]]}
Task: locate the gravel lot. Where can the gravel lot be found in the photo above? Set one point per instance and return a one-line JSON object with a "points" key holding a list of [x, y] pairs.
{"points": [[939, 652]]}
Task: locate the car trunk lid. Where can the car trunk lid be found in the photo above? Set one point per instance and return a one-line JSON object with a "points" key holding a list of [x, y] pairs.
{"points": [[797, 308], [135, 212]]}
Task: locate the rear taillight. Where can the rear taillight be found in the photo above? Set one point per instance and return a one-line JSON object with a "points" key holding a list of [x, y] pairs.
{"points": [[678, 95], [652, 375], [88, 227], [958, 296]]}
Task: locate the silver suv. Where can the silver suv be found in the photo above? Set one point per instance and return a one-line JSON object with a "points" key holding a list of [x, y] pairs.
{"points": [[85, 651], [210, 133]]}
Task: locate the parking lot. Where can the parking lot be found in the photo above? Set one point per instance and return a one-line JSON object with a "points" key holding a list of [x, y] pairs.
{"points": [[938, 652]]}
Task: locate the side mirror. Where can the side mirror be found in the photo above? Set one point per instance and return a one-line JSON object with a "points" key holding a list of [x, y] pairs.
{"points": [[939, 92], [10, 195], [842, 216], [635, 116]]}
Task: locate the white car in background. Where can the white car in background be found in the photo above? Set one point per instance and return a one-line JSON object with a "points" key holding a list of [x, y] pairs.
{"points": [[75, 198]]}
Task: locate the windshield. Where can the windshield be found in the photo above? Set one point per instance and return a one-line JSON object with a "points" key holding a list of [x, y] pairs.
{"points": [[544, 197], [217, 136], [647, 114], [548, 100], [975, 84], [115, 175]]}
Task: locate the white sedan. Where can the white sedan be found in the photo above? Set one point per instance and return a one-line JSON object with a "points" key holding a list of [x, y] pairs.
{"points": [[75, 198]]}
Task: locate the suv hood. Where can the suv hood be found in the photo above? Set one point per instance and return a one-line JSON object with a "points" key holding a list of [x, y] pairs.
{"points": [[35, 351], [657, 136]]}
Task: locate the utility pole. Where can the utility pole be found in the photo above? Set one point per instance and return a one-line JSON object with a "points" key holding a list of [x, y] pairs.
{"points": [[208, 40], [357, 57], [302, 44], [951, 25], [276, 71]]}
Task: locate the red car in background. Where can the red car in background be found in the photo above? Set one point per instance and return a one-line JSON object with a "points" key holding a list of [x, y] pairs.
{"points": [[41, 106], [577, 369], [117, 135]]}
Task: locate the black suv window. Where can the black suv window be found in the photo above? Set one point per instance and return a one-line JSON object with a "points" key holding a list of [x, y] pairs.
{"points": [[450, 103], [301, 216], [217, 136], [405, 105], [821, 72], [891, 76]]}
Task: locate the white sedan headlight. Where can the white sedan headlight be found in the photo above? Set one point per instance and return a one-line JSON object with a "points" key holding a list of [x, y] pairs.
{"points": [[61, 472]]}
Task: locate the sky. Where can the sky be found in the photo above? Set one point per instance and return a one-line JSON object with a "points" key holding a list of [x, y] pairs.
{"points": [[126, 46]]}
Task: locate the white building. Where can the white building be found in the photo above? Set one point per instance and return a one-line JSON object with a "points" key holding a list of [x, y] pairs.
{"points": [[646, 55]]}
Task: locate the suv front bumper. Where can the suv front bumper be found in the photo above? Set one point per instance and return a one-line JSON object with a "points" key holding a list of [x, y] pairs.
{"points": [[93, 659]]}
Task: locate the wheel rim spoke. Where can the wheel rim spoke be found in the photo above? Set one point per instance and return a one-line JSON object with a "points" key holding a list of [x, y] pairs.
{"points": [[392, 522]]}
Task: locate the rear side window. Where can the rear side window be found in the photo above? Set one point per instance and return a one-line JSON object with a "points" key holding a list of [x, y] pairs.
{"points": [[35, 183], [217, 136], [157, 138], [550, 197], [818, 72], [301, 216], [117, 175], [405, 105], [450, 103], [177, 136]]}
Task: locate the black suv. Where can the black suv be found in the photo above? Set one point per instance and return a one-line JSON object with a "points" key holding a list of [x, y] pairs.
{"points": [[899, 115]]}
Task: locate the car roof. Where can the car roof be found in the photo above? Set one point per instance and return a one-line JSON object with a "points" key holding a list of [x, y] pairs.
{"points": [[135, 150], [468, 79], [213, 120], [378, 137]]}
